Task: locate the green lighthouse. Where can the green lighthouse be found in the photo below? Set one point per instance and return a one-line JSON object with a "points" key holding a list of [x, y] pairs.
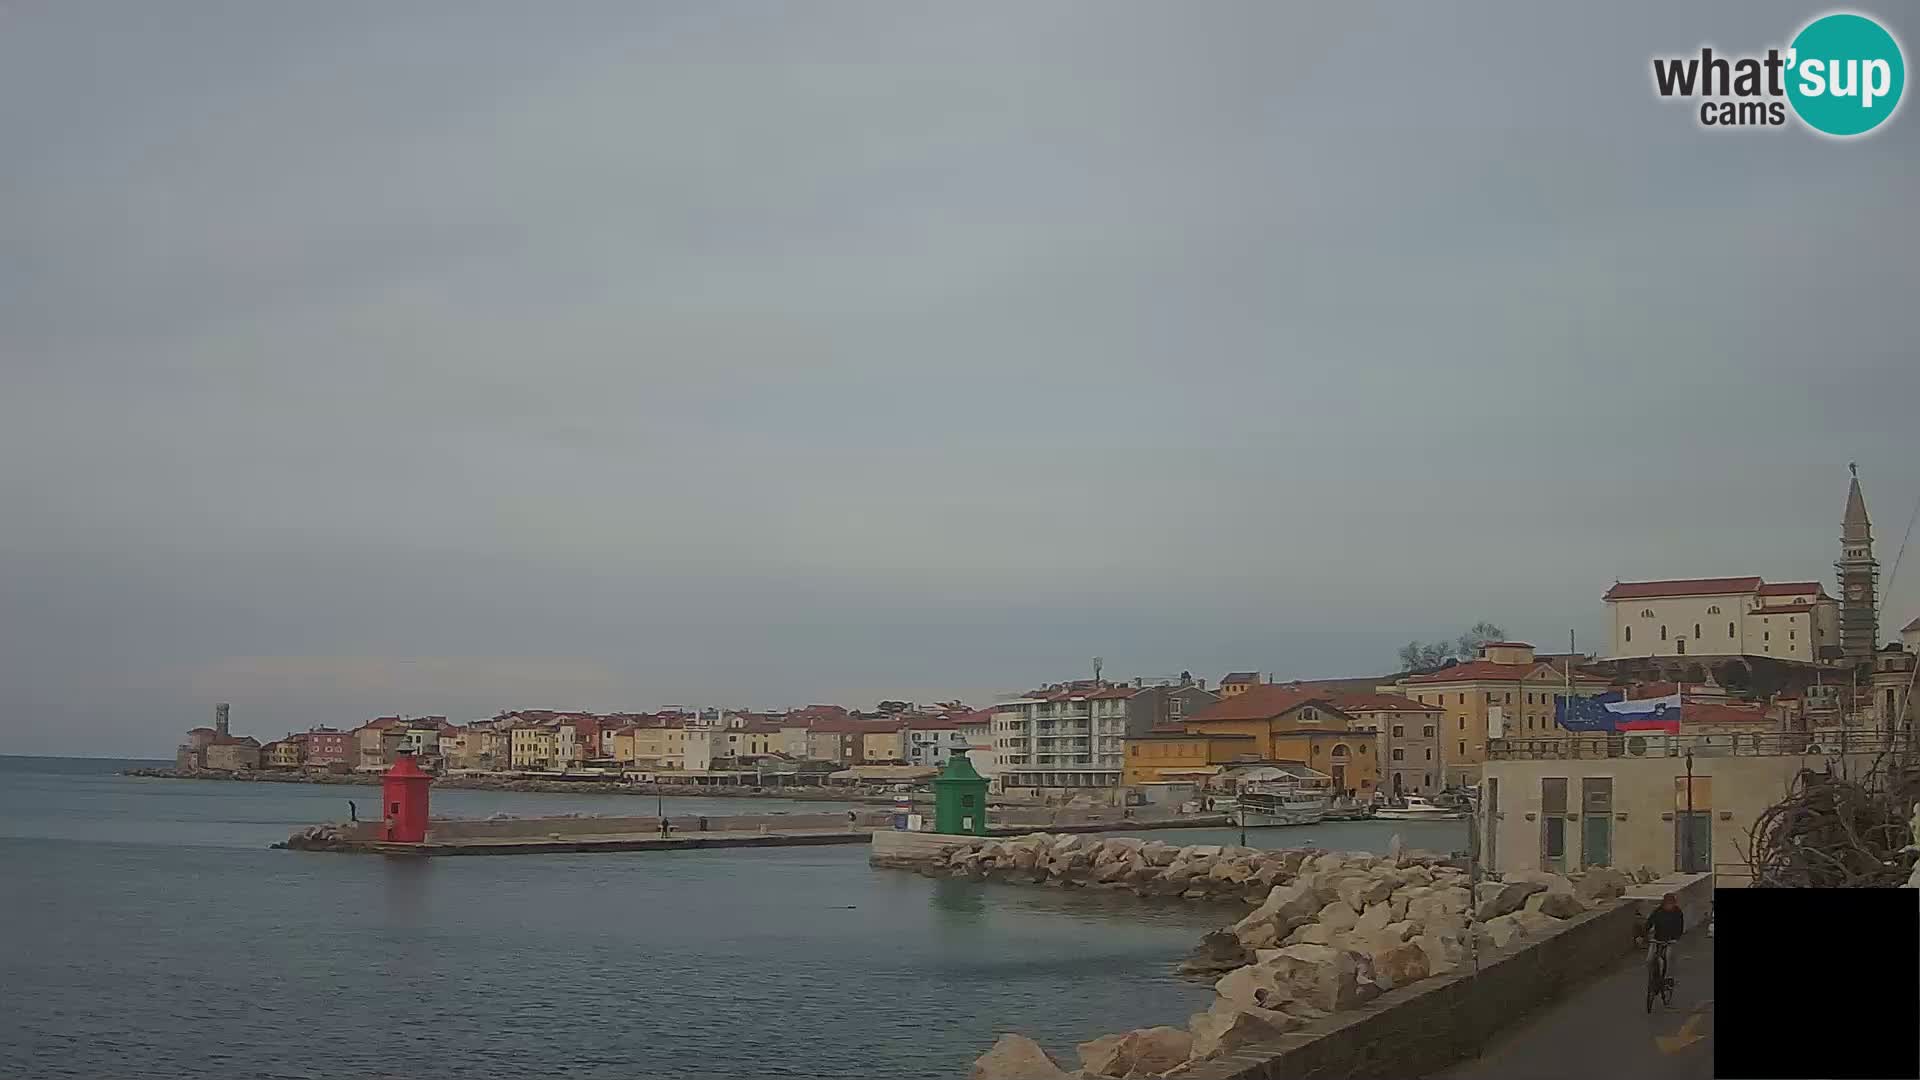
{"points": [[960, 799]]}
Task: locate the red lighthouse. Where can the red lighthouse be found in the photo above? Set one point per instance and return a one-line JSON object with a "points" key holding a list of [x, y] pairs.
{"points": [[403, 818]]}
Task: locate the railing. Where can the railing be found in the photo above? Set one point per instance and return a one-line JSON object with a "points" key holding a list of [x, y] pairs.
{"points": [[1742, 744]]}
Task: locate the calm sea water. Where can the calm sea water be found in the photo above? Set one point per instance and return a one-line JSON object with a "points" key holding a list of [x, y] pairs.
{"points": [[148, 931]]}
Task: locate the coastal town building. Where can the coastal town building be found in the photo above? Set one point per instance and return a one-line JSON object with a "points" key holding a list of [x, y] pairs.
{"points": [[1235, 683], [1065, 736], [1406, 737], [1722, 617], [1505, 690], [932, 740], [1565, 805], [1183, 758], [229, 754], [326, 746], [1895, 708], [881, 744], [1299, 725], [1161, 702], [287, 753]]}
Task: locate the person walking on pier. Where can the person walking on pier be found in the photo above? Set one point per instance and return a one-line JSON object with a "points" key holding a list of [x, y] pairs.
{"points": [[353, 812], [666, 827]]}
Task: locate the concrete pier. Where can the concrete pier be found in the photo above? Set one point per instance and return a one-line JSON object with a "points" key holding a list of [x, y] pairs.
{"points": [[533, 836]]}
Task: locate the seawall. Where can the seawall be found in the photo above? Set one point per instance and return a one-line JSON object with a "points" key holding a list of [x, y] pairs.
{"points": [[1428, 1025]]}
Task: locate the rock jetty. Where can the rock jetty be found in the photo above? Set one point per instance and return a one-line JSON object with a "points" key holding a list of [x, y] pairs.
{"points": [[1329, 931]]}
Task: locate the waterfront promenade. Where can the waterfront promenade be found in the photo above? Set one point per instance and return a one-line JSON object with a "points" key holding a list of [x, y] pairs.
{"points": [[1600, 1030]]}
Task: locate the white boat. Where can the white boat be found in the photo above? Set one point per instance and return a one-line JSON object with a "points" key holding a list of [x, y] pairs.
{"points": [[1416, 809], [1279, 804]]}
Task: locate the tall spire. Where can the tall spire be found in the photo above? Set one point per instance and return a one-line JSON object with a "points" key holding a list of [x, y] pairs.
{"points": [[1854, 527], [1859, 575]]}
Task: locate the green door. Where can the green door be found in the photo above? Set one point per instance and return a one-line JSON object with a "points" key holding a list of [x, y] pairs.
{"points": [[1693, 841], [1596, 847]]}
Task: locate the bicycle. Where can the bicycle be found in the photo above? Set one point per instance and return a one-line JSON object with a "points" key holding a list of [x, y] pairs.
{"points": [[1659, 975]]}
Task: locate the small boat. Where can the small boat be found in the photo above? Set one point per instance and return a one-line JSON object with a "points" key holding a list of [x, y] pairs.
{"points": [[1262, 804], [1416, 808]]}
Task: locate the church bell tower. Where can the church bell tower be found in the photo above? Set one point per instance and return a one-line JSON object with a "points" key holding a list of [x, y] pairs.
{"points": [[1859, 578]]}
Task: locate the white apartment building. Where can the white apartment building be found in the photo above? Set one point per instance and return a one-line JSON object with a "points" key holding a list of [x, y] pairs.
{"points": [[1066, 736], [1741, 616]]}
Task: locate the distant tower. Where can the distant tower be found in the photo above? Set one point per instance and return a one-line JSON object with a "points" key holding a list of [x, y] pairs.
{"points": [[220, 719], [1859, 578]]}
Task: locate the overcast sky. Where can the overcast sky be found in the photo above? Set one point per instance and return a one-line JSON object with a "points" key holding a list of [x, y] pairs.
{"points": [[443, 357]]}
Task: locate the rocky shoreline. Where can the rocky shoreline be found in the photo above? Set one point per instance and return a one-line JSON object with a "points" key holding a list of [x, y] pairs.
{"points": [[1329, 932], [502, 783]]}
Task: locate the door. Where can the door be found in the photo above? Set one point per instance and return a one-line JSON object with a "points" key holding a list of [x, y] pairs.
{"points": [[1556, 845], [1693, 841], [1596, 822]]}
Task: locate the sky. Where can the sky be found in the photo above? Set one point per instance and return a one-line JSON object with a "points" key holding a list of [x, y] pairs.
{"points": [[360, 358]]}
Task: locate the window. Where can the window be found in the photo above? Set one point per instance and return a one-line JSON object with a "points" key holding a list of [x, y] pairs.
{"points": [[1463, 750], [1696, 631], [1134, 750], [1629, 633], [1399, 731], [1646, 613], [1429, 753], [1714, 610], [1429, 780], [1663, 631], [1463, 723], [1766, 635], [1463, 699], [1399, 754], [1729, 630], [1792, 635], [1427, 731]]}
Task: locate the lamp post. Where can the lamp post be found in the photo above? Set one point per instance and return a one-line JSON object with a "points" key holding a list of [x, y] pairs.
{"points": [[1686, 835]]}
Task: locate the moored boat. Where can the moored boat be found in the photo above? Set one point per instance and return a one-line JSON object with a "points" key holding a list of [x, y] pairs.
{"points": [[1262, 804], [1415, 808]]}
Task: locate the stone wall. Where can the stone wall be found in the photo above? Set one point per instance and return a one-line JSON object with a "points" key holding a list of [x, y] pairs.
{"points": [[1425, 1026]]}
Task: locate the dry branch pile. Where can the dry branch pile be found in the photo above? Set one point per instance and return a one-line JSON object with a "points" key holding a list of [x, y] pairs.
{"points": [[1835, 831]]}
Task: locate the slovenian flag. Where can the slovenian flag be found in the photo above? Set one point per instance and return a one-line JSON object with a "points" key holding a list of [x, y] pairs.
{"points": [[1647, 714], [1610, 713]]}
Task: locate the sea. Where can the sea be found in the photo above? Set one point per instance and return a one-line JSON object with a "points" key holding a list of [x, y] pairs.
{"points": [[149, 931]]}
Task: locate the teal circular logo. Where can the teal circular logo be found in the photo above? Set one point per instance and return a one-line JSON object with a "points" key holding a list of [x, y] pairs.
{"points": [[1845, 74]]}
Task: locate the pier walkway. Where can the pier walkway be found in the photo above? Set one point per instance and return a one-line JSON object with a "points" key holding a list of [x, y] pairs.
{"points": [[1602, 1031]]}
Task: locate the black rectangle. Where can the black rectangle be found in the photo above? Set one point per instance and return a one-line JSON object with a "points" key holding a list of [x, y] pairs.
{"points": [[1816, 983]]}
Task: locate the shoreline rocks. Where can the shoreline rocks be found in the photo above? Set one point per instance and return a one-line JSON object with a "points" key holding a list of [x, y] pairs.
{"points": [[1329, 931]]}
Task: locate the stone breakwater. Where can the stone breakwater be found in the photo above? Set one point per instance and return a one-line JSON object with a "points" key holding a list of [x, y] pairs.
{"points": [[1329, 931]]}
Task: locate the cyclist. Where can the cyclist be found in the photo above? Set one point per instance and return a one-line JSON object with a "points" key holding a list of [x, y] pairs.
{"points": [[1666, 924]]}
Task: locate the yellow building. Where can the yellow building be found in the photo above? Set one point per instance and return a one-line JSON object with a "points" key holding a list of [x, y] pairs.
{"points": [[1296, 723], [881, 747], [744, 741], [1173, 757], [660, 747], [282, 753], [534, 747], [1504, 693]]}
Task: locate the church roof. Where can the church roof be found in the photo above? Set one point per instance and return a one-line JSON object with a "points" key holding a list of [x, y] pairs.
{"points": [[1855, 525]]}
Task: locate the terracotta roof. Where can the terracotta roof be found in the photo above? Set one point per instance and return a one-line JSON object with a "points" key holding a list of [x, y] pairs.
{"points": [[1182, 733], [1911, 627], [208, 730], [1791, 588], [1506, 645], [1776, 609], [1647, 590], [1261, 702], [934, 723], [1380, 703], [1240, 677]]}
